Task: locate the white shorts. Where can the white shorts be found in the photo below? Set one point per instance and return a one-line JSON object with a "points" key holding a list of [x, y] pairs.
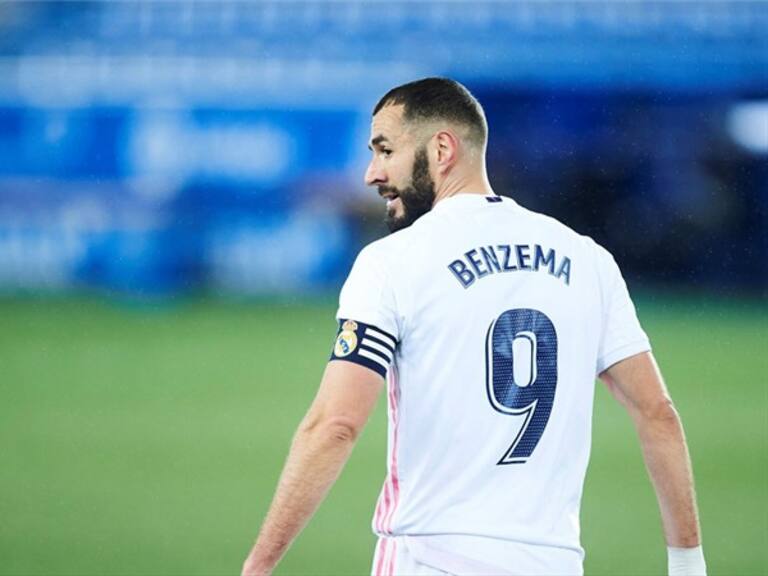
{"points": [[393, 558], [438, 556]]}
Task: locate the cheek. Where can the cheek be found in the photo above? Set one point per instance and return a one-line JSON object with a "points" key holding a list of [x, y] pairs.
{"points": [[401, 171]]}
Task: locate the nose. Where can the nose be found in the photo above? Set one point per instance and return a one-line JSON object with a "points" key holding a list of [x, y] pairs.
{"points": [[374, 174]]}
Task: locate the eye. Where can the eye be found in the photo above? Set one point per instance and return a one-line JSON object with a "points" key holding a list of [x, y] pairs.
{"points": [[386, 152]]}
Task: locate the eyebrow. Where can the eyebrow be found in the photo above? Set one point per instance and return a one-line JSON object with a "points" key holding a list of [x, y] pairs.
{"points": [[378, 140]]}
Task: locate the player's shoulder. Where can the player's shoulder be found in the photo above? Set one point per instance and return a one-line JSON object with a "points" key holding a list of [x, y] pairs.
{"points": [[386, 251], [600, 257], [553, 226]]}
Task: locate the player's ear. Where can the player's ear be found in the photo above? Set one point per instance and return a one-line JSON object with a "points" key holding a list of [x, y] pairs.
{"points": [[446, 146]]}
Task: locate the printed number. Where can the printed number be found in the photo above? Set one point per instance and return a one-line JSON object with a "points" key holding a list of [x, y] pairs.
{"points": [[521, 366]]}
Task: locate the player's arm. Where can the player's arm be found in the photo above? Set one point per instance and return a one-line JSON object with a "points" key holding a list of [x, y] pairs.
{"points": [[637, 384], [320, 448]]}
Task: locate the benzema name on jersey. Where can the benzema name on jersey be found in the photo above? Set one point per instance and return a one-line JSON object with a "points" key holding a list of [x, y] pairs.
{"points": [[508, 258]]}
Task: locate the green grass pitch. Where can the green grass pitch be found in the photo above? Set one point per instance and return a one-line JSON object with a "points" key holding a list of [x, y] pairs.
{"points": [[149, 441]]}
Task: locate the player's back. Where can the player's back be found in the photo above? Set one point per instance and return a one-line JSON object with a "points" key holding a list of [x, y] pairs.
{"points": [[500, 318]]}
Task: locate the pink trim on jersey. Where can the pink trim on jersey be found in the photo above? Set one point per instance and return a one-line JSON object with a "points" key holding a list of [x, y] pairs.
{"points": [[382, 552], [378, 515], [390, 491], [393, 554], [387, 504], [394, 480]]}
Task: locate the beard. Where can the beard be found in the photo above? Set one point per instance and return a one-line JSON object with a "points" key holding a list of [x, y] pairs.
{"points": [[417, 199]]}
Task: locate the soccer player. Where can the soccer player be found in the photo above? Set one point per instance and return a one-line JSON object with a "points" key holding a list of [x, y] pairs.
{"points": [[490, 323]]}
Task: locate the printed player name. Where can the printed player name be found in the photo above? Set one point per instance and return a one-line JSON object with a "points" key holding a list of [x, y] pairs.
{"points": [[486, 260]]}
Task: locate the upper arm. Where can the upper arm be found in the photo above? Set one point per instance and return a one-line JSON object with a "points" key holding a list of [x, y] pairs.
{"points": [[364, 348], [636, 382], [346, 397]]}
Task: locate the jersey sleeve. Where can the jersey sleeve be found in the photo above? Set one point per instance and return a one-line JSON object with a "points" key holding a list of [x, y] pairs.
{"points": [[368, 328], [621, 335]]}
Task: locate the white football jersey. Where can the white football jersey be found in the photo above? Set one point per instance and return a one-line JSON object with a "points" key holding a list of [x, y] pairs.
{"points": [[491, 323]]}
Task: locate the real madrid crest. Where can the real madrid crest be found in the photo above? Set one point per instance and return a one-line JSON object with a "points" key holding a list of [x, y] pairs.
{"points": [[346, 342]]}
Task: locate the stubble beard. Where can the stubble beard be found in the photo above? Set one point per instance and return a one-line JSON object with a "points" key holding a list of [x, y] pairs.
{"points": [[417, 199]]}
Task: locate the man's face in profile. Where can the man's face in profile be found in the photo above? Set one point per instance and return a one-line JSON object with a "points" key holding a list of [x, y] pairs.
{"points": [[399, 169]]}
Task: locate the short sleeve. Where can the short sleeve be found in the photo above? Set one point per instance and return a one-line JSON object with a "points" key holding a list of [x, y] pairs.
{"points": [[367, 315], [367, 294], [621, 335]]}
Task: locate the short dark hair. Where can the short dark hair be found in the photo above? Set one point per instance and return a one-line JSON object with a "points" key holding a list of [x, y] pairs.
{"points": [[439, 99]]}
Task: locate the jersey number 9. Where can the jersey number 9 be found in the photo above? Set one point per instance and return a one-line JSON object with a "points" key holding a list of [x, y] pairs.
{"points": [[521, 375]]}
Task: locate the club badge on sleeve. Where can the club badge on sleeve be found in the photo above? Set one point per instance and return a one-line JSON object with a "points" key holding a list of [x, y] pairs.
{"points": [[346, 342], [364, 344]]}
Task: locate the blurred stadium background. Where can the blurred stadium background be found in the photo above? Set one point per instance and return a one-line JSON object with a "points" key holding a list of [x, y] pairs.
{"points": [[181, 197]]}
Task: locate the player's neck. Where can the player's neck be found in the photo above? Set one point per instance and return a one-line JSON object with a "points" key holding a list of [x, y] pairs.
{"points": [[473, 185]]}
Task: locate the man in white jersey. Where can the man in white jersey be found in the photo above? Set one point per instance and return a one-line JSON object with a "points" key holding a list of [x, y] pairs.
{"points": [[490, 323]]}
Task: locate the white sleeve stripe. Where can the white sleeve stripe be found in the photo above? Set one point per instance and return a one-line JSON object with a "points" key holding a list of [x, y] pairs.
{"points": [[368, 343], [380, 336], [373, 356]]}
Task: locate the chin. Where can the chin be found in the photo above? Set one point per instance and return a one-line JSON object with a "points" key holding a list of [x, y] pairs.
{"points": [[397, 223]]}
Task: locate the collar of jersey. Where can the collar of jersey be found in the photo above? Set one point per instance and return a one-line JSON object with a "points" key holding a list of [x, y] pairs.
{"points": [[466, 198]]}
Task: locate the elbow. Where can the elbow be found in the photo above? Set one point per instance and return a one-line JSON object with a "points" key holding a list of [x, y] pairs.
{"points": [[343, 431], [333, 428], [660, 413]]}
